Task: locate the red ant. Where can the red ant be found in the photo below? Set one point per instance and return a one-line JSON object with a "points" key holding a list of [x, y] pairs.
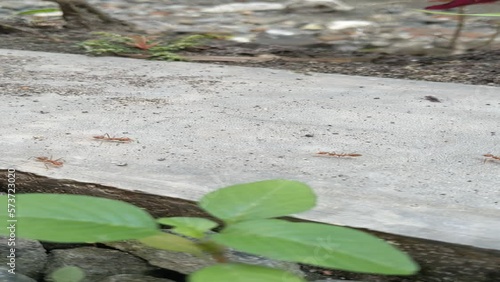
{"points": [[49, 161], [106, 137], [341, 155], [491, 157]]}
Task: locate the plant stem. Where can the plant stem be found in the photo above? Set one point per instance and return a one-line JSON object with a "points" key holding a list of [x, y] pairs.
{"points": [[458, 30], [492, 37], [215, 250], [220, 258]]}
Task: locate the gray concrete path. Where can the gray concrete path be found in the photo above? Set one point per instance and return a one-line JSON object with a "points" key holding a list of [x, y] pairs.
{"points": [[197, 127]]}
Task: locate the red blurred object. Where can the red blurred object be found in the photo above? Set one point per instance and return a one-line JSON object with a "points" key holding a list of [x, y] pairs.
{"points": [[458, 3]]}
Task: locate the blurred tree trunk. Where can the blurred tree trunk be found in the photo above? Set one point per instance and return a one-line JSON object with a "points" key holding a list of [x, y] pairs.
{"points": [[80, 14]]}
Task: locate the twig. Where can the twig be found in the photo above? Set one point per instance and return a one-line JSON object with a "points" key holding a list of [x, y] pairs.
{"points": [[8, 27], [458, 30]]}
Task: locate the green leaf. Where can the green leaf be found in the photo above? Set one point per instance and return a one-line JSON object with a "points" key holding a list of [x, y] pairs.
{"points": [[264, 199], [234, 272], [169, 242], [38, 11], [76, 219], [166, 56], [317, 244], [67, 274], [189, 226]]}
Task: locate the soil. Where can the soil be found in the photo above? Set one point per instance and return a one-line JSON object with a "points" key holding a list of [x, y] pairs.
{"points": [[474, 67], [439, 261]]}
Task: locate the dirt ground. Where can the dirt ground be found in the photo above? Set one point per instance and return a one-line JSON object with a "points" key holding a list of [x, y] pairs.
{"points": [[439, 261], [474, 67]]}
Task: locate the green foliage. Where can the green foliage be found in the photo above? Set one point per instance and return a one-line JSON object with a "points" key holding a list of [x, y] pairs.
{"points": [[137, 46], [106, 44], [38, 11], [79, 219], [235, 272], [166, 56], [258, 200], [247, 210], [183, 43], [193, 227], [67, 274], [169, 242], [316, 244]]}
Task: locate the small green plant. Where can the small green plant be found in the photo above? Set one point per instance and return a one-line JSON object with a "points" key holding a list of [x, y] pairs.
{"points": [[38, 11], [461, 16], [248, 212], [140, 46]]}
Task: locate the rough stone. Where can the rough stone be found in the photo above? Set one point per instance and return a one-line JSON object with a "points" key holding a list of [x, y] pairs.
{"points": [[30, 256], [97, 263], [341, 25], [320, 5], [244, 7], [5, 276], [186, 263]]}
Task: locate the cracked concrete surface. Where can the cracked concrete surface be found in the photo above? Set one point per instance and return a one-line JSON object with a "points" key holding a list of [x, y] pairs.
{"points": [[197, 127]]}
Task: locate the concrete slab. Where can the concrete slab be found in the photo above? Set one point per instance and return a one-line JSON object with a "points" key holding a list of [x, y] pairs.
{"points": [[197, 127]]}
